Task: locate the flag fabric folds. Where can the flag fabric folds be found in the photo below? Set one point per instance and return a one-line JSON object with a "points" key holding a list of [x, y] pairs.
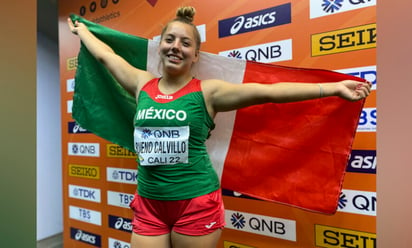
{"points": [[290, 153]]}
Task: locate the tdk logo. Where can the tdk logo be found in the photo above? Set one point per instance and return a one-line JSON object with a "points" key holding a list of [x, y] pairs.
{"points": [[266, 18], [119, 175], [85, 237], [120, 223], [362, 161], [84, 193]]}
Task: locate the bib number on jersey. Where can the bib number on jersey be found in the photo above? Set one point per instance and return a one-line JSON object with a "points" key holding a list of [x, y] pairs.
{"points": [[162, 145]]}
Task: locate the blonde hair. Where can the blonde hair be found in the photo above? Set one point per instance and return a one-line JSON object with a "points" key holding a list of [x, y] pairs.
{"points": [[186, 15]]}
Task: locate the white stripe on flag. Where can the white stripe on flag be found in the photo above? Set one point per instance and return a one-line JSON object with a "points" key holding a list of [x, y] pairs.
{"points": [[210, 66]]}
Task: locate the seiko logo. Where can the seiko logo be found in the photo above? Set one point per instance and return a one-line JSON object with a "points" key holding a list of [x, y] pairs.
{"points": [[344, 40], [256, 20], [329, 237], [91, 172]]}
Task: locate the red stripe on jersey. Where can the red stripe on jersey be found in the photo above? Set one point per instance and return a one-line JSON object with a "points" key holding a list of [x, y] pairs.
{"points": [[152, 89]]}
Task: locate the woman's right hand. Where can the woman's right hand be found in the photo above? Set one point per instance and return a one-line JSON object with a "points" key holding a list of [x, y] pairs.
{"points": [[76, 26]]}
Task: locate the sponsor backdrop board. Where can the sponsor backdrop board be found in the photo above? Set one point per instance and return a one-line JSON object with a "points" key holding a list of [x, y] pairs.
{"points": [[99, 178]]}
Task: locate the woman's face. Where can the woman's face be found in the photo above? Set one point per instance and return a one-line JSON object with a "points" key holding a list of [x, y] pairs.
{"points": [[177, 48]]}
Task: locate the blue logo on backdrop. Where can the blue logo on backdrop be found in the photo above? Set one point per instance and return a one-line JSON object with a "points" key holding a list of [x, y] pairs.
{"points": [[266, 18], [120, 223], [362, 161], [331, 5], [76, 128], [86, 237]]}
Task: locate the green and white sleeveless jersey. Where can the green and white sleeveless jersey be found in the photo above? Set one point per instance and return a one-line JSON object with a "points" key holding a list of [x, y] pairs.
{"points": [[169, 137]]}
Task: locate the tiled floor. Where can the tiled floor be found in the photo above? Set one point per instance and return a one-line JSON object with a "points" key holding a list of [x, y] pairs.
{"points": [[55, 241]]}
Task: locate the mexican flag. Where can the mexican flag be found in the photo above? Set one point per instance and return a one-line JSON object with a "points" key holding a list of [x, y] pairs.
{"points": [[290, 153]]}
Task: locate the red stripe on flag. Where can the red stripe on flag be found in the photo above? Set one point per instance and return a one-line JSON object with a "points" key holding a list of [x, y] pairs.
{"points": [[293, 153]]}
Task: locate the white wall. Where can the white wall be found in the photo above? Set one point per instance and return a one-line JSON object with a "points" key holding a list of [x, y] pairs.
{"points": [[49, 162]]}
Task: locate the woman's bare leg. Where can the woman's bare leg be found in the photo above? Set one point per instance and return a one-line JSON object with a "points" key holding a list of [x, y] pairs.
{"points": [[204, 241], [143, 241]]}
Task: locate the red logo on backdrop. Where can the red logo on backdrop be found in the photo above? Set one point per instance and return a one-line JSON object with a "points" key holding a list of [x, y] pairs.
{"points": [[152, 2]]}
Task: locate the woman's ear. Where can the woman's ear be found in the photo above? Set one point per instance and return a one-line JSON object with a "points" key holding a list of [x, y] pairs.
{"points": [[197, 55]]}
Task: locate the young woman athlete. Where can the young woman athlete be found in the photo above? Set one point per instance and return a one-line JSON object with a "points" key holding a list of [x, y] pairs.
{"points": [[179, 203]]}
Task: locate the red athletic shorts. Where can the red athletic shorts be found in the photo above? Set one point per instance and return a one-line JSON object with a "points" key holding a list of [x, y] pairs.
{"points": [[198, 216]]}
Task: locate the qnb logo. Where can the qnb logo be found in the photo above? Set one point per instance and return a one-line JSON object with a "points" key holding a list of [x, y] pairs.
{"points": [[235, 54], [85, 237], [114, 243], [342, 201], [262, 225], [173, 133], [84, 149], [357, 202], [256, 20], [238, 220], [266, 53], [94, 5], [330, 6]]}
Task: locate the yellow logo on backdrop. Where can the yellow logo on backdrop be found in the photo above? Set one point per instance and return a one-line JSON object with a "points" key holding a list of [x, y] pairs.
{"points": [[71, 63], [332, 237], [116, 151], [84, 171], [344, 40], [228, 244]]}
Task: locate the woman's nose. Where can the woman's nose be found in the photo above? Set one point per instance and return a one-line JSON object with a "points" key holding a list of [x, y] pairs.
{"points": [[176, 45]]}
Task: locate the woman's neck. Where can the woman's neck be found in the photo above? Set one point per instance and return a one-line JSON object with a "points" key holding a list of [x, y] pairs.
{"points": [[170, 84]]}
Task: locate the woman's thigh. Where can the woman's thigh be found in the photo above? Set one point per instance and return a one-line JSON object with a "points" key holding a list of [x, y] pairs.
{"points": [[205, 241], [144, 241]]}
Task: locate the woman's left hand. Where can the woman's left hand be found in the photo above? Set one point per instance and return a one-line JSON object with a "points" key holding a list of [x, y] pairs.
{"points": [[354, 90]]}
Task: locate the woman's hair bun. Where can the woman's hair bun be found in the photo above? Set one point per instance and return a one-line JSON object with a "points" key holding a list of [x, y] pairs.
{"points": [[186, 13]]}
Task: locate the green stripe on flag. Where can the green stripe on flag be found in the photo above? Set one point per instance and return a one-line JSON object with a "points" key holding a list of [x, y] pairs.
{"points": [[100, 104]]}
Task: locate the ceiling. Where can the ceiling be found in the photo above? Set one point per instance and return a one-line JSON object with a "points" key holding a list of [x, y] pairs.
{"points": [[47, 18]]}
